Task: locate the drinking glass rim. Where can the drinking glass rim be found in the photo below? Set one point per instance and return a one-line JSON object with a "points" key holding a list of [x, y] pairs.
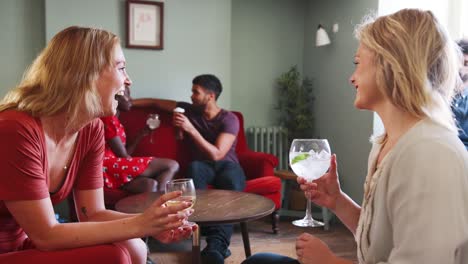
{"points": [[180, 180]]}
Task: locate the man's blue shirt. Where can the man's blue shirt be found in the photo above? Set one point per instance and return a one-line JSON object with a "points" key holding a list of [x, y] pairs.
{"points": [[460, 110]]}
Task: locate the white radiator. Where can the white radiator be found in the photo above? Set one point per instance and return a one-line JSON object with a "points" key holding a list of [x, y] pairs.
{"points": [[273, 140]]}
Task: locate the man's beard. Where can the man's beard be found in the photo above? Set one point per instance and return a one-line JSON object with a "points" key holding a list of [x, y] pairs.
{"points": [[200, 107]]}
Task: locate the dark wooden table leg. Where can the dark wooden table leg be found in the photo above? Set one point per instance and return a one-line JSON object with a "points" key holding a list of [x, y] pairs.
{"points": [[245, 239], [196, 246]]}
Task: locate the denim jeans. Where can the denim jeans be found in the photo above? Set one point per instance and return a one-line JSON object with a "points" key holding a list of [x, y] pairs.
{"points": [[225, 175], [269, 258]]}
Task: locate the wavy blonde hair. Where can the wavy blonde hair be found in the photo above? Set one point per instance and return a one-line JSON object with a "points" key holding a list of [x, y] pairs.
{"points": [[62, 78], [417, 62]]}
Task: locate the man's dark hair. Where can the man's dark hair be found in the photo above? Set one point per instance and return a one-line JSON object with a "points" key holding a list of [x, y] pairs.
{"points": [[463, 45], [209, 82]]}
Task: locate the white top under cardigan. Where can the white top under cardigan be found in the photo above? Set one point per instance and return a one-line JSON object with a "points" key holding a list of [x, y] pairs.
{"points": [[415, 207]]}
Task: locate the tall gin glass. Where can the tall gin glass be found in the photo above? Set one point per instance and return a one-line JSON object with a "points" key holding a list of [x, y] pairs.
{"points": [[309, 159]]}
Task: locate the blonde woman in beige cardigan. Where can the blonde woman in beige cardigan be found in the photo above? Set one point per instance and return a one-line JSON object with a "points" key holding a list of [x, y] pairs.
{"points": [[416, 191]]}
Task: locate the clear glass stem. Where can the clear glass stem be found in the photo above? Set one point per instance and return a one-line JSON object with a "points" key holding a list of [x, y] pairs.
{"points": [[308, 220], [308, 214]]}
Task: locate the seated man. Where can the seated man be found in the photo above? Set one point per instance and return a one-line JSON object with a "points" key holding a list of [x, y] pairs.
{"points": [[212, 132]]}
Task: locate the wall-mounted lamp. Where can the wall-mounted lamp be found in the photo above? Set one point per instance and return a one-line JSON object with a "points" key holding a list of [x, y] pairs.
{"points": [[321, 37]]}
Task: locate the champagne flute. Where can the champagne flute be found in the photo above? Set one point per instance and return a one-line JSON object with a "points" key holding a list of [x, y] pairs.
{"points": [[309, 159], [152, 122], [187, 188]]}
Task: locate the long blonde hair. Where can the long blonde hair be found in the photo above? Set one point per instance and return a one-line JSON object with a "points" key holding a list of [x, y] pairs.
{"points": [[62, 78], [417, 63]]}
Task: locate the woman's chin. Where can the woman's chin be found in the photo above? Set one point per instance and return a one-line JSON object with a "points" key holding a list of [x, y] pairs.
{"points": [[109, 111]]}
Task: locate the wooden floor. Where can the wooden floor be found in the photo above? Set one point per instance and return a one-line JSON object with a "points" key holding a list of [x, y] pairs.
{"points": [[338, 238]]}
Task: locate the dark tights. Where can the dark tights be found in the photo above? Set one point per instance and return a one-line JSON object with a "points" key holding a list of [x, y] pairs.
{"points": [[154, 178]]}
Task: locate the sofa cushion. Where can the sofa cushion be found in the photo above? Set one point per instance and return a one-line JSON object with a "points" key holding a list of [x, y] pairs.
{"points": [[268, 186]]}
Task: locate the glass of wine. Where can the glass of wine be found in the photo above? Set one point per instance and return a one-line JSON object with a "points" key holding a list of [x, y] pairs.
{"points": [[152, 122], [187, 188], [309, 159]]}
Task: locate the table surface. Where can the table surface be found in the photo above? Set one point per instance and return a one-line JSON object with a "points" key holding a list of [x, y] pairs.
{"points": [[211, 207]]}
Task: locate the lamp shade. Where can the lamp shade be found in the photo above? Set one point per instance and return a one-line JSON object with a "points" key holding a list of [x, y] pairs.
{"points": [[321, 38]]}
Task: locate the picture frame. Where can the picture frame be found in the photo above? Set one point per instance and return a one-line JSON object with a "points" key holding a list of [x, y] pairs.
{"points": [[145, 24]]}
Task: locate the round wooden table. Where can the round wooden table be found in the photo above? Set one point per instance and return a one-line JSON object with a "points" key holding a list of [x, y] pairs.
{"points": [[211, 207]]}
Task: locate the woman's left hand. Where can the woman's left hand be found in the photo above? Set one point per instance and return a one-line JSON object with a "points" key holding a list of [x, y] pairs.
{"points": [[177, 234], [311, 250]]}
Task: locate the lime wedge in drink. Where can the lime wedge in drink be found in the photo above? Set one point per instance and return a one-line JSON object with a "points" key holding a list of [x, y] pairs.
{"points": [[300, 157]]}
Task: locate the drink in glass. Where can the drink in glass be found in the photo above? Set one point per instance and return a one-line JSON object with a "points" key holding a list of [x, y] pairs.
{"points": [[309, 159], [187, 188], [153, 122]]}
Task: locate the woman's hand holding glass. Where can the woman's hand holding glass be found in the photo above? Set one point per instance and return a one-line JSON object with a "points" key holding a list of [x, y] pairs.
{"points": [[187, 188], [325, 190], [165, 223]]}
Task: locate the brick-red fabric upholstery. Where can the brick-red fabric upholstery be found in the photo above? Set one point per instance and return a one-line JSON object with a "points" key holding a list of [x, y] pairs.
{"points": [[258, 166]]}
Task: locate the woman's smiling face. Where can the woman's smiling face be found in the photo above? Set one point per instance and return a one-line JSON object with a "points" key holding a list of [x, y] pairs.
{"points": [[368, 95], [112, 81]]}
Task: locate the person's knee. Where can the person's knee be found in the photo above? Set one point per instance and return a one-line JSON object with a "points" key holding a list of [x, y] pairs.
{"points": [[151, 185], [231, 177], [141, 184], [137, 249], [173, 166], [147, 184], [117, 254]]}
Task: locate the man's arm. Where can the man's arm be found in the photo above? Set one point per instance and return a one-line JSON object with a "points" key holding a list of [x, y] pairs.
{"points": [[163, 104], [215, 151]]}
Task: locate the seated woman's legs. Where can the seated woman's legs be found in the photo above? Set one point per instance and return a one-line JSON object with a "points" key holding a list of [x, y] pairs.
{"points": [[154, 178], [140, 185], [162, 170]]}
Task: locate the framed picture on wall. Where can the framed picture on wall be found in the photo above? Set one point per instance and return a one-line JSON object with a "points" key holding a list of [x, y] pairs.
{"points": [[145, 24]]}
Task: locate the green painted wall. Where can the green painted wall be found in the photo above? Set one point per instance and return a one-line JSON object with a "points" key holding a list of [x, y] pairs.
{"points": [[267, 39], [246, 43], [347, 128], [197, 39], [22, 37]]}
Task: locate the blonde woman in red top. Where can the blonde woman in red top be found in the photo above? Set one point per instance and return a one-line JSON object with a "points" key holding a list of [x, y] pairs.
{"points": [[53, 146]]}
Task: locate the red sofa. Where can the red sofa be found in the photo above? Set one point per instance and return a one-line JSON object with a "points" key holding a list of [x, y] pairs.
{"points": [[258, 166]]}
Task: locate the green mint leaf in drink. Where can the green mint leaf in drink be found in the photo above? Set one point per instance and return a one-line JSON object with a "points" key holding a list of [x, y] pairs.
{"points": [[300, 157]]}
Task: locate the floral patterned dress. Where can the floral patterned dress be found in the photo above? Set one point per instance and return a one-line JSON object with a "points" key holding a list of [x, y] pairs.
{"points": [[116, 170]]}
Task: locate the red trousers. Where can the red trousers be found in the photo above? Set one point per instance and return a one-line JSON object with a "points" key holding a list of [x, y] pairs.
{"points": [[100, 254]]}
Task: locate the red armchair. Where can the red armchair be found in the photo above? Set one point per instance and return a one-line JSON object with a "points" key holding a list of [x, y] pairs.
{"points": [[258, 166]]}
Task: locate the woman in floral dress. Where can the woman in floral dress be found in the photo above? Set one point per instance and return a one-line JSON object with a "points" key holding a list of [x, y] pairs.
{"points": [[121, 170]]}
